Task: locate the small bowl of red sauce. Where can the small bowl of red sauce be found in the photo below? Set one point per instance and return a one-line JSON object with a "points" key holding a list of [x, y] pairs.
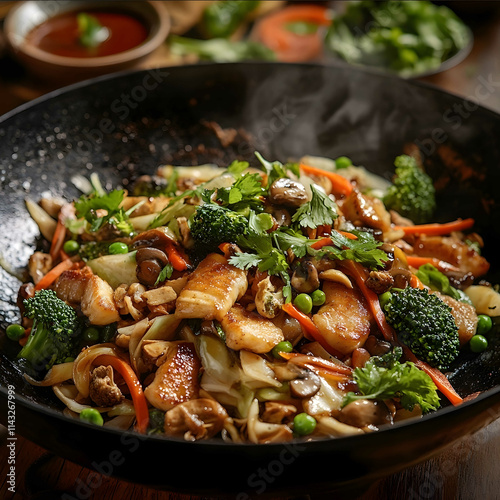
{"points": [[68, 41]]}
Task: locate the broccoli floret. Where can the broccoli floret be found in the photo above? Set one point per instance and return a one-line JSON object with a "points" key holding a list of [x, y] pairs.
{"points": [[425, 324], [93, 250], [412, 193], [54, 334], [212, 225]]}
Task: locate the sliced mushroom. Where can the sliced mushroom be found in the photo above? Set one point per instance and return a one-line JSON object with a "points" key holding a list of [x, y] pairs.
{"points": [[196, 419], [103, 390], [150, 262], [287, 192], [153, 351], [364, 412], [156, 238], [377, 347], [306, 385], [305, 277], [264, 432], [337, 276]]}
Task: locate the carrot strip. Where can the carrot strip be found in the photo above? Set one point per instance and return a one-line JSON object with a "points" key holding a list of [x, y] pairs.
{"points": [[138, 398], [57, 240], [357, 272], [307, 324], [23, 340], [438, 229], [442, 383], [178, 261], [340, 185], [441, 265], [53, 274], [349, 236]]}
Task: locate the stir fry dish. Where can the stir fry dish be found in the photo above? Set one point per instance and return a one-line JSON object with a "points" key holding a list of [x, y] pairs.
{"points": [[297, 300]]}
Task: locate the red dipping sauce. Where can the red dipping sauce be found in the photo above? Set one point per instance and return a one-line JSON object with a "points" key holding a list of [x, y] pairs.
{"points": [[60, 36]]}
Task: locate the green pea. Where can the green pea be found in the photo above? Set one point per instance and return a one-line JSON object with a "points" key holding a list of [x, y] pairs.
{"points": [[318, 297], [71, 247], [15, 332], [484, 324], [284, 346], [91, 416], [303, 424], [303, 302], [118, 247], [91, 335], [478, 343], [343, 162], [384, 298]]}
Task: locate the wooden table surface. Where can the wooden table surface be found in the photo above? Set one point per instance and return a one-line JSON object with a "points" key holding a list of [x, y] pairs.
{"points": [[467, 470]]}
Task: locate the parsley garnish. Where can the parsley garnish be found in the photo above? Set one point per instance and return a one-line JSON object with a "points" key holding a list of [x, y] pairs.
{"points": [[364, 250], [385, 378], [320, 211], [165, 273], [87, 207]]}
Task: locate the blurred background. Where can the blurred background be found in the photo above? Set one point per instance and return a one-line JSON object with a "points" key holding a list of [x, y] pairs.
{"points": [[46, 45]]}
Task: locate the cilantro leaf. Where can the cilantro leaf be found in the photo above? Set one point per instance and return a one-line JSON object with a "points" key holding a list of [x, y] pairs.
{"points": [[320, 211], [165, 273], [237, 168], [294, 240], [365, 249], [245, 192], [388, 378], [274, 170], [87, 207]]}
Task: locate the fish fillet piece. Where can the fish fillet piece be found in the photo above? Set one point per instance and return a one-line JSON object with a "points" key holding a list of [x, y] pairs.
{"points": [[176, 380], [250, 331], [344, 320], [212, 289]]}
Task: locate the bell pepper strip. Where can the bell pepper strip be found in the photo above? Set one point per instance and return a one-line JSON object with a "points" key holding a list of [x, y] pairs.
{"points": [[340, 185], [437, 229], [53, 274], [134, 386], [442, 383], [313, 361], [272, 31], [309, 327], [416, 283], [176, 258], [356, 271], [440, 265], [57, 240]]}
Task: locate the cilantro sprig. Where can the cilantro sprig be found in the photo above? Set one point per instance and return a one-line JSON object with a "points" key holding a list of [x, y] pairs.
{"points": [[320, 211], [384, 377], [101, 209]]}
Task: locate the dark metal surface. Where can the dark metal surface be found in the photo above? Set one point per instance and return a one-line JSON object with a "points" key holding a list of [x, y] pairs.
{"points": [[124, 126]]}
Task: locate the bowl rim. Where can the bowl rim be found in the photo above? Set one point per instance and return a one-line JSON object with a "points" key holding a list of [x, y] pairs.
{"points": [[160, 28]]}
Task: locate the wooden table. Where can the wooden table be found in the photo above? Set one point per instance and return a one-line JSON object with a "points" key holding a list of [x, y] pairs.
{"points": [[467, 470]]}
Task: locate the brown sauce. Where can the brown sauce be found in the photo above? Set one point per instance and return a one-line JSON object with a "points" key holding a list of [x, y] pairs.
{"points": [[59, 35]]}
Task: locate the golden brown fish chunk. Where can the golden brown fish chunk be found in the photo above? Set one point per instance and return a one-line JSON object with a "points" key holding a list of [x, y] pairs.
{"points": [[465, 317], [344, 320], [97, 302], [250, 331], [212, 289], [176, 380]]}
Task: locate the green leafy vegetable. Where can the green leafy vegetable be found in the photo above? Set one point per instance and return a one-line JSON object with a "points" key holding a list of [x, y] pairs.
{"points": [[385, 378], [365, 249], [320, 211], [165, 273]]}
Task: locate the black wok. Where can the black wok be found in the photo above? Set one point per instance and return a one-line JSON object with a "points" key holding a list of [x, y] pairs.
{"points": [[129, 124]]}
